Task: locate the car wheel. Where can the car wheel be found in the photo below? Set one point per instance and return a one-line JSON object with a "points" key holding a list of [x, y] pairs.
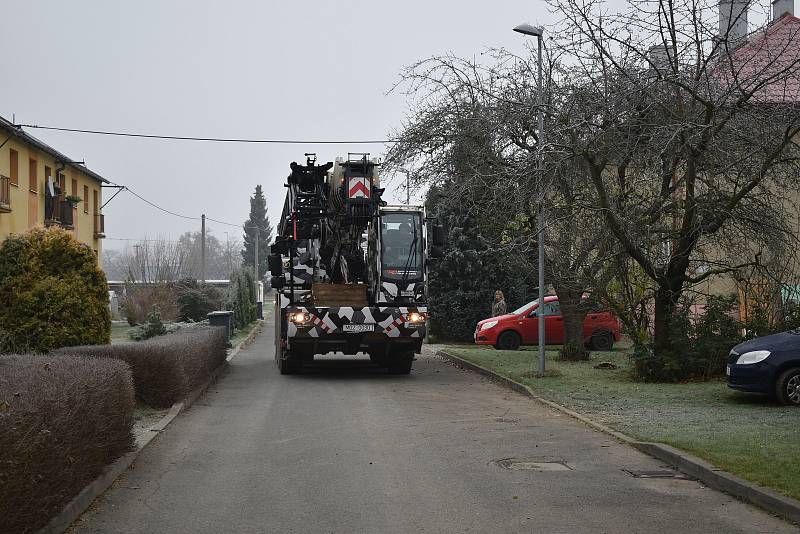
{"points": [[508, 341], [602, 341], [787, 387]]}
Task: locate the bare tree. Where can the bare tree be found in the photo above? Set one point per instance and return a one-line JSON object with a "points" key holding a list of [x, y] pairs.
{"points": [[153, 261], [687, 134], [474, 125]]}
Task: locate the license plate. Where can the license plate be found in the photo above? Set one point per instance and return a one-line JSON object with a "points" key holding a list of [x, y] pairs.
{"points": [[728, 370], [359, 328]]}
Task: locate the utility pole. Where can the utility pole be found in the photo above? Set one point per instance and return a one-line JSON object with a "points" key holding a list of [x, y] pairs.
{"points": [[203, 248]]}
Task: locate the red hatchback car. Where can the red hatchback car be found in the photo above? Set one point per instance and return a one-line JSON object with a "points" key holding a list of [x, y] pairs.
{"points": [[521, 327]]}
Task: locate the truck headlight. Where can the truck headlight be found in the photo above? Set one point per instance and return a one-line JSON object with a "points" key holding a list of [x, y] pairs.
{"points": [[751, 357], [299, 317], [416, 317], [488, 325]]}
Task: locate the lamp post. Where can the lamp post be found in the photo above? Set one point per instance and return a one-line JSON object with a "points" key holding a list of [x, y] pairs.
{"points": [[538, 32]]}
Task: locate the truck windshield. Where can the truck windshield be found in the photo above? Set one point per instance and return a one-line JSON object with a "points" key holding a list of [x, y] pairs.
{"points": [[401, 246]]}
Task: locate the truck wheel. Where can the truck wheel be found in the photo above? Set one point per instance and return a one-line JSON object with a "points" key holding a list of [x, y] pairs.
{"points": [[602, 341], [508, 341], [787, 387], [401, 364], [287, 364]]}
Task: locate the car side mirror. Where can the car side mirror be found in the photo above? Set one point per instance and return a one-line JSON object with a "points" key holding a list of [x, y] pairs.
{"points": [[436, 252], [275, 264], [439, 235]]}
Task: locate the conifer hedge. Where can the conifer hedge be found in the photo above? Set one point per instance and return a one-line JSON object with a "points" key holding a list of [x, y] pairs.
{"points": [[52, 293]]}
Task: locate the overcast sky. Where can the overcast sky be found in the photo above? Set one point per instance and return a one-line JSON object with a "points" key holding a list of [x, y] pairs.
{"points": [[259, 69]]}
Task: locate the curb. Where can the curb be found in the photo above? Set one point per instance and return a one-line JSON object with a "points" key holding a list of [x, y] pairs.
{"points": [[246, 341], [81, 502], [694, 467]]}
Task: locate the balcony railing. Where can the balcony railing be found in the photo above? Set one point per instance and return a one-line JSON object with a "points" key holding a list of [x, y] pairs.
{"points": [[65, 213], [99, 225], [5, 194]]}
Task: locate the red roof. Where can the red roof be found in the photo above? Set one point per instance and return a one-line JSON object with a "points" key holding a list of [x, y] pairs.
{"points": [[771, 57]]}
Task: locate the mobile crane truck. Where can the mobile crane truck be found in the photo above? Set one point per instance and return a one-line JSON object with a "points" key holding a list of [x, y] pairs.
{"points": [[349, 271]]}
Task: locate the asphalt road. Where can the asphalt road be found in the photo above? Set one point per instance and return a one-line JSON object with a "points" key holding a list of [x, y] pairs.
{"points": [[346, 448]]}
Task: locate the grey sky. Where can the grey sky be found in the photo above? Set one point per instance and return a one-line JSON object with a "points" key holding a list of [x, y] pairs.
{"points": [[263, 69]]}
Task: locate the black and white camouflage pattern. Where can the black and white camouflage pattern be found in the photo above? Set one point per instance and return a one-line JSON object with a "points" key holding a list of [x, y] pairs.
{"points": [[307, 267], [392, 321], [390, 291]]}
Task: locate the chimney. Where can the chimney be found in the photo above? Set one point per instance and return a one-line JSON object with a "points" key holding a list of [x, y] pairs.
{"points": [[659, 56], [733, 19], [779, 7]]}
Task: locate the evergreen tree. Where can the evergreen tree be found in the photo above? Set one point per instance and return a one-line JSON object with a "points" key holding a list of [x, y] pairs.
{"points": [[463, 281], [258, 218]]}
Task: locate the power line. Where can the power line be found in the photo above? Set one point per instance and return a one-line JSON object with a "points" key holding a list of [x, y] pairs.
{"points": [[140, 197], [165, 210], [210, 139], [140, 240]]}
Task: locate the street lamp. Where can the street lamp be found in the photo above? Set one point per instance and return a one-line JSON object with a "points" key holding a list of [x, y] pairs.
{"points": [[538, 32]]}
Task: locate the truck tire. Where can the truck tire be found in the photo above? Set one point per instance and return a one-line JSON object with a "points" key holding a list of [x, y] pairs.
{"points": [[400, 364], [508, 340], [288, 364], [787, 387]]}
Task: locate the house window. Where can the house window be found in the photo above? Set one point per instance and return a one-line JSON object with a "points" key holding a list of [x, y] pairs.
{"points": [[96, 202], [74, 192], [14, 160], [32, 177], [85, 199]]}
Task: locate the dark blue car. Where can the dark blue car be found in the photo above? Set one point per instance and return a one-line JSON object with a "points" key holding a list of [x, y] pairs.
{"points": [[769, 364]]}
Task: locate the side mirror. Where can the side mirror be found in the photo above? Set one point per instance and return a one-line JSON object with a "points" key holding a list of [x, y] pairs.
{"points": [[436, 252], [275, 263], [277, 282], [439, 235]]}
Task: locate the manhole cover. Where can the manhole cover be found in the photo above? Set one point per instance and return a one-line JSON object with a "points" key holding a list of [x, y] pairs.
{"points": [[533, 464], [664, 473]]}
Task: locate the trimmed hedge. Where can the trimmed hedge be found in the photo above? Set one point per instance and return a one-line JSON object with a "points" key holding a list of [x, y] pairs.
{"points": [[166, 368], [62, 420]]}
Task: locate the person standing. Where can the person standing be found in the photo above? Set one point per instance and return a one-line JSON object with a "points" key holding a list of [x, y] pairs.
{"points": [[499, 304]]}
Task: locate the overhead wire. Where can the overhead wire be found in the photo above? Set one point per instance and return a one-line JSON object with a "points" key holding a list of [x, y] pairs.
{"points": [[165, 210], [211, 139]]}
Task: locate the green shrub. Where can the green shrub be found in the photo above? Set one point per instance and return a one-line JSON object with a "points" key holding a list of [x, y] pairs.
{"points": [[698, 349], [241, 298], [152, 328], [166, 368], [52, 293], [195, 300], [62, 420]]}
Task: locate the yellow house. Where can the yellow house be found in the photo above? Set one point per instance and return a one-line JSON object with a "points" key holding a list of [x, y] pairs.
{"points": [[40, 186]]}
